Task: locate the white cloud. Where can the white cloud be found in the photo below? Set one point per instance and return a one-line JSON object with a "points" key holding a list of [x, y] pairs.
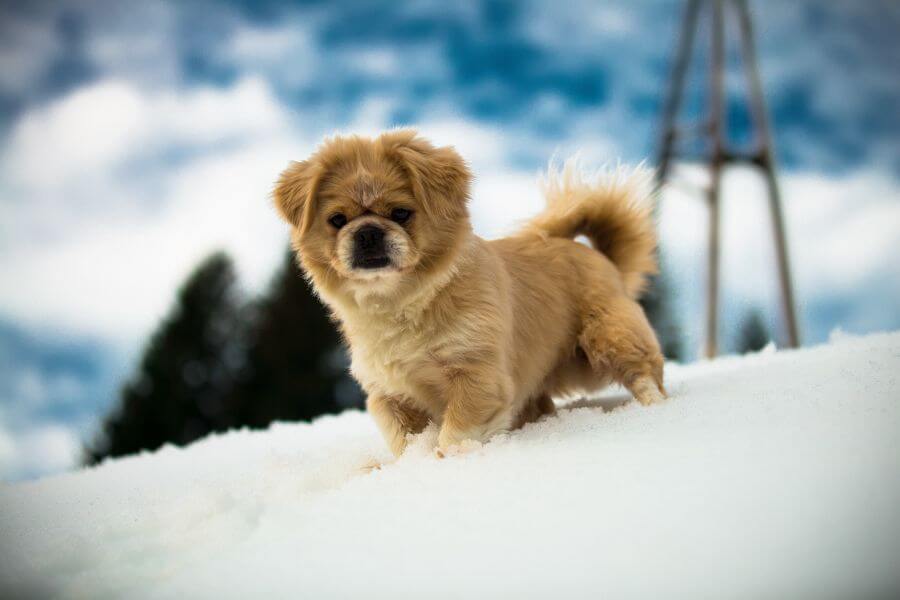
{"points": [[377, 62], [114, 277], [848, 229], [503, 200], [286, 52], [82, 131], [101, 126], [108, 266], [484, 147], [842, 231], [37, 450]]}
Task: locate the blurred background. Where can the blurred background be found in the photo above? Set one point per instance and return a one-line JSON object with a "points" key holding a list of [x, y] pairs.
{"points": [[146, 293]]}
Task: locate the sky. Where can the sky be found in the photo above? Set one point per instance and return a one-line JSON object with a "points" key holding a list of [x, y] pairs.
{"points": [[138, 137]]}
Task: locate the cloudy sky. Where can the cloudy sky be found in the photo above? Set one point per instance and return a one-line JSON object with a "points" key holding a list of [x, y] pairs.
{"points": [[137, 137]]}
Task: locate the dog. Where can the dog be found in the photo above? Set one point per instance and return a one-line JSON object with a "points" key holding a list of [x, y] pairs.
{"points": [[475, 336]]}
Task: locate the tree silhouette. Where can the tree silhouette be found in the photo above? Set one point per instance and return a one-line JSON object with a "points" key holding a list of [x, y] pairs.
{"points": [[296, 367], [216, 363], [657, 304], [184, 378], [754, 335]]}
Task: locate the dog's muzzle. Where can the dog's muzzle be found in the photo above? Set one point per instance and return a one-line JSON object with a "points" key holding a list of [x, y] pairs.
{"points": [[369, 250]]}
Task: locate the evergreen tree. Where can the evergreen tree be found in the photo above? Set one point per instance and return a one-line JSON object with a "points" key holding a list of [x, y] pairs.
{"points": [[215, 364], [180, 391], [656, 302], [296, 367], [754, 335]]}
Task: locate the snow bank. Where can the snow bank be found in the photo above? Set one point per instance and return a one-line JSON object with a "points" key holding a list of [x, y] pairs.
{"points": [[775, 475]]}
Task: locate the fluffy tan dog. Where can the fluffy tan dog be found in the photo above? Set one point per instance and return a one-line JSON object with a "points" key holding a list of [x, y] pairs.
{"points": [[443, 326]]}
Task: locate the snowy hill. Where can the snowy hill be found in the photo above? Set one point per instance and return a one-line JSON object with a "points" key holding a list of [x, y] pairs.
{"points": [[775, 475]]}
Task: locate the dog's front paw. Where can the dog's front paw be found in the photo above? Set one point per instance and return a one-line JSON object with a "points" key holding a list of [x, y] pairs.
{"points": [[453, 441], [455, 449], [449, 437]]}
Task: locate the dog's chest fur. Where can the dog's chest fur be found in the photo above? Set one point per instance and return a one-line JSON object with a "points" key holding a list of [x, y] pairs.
{"points": [[396, 355], [383, 354]]}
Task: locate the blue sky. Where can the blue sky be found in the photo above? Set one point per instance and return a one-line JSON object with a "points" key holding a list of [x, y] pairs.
{"points": [[136, 137]]}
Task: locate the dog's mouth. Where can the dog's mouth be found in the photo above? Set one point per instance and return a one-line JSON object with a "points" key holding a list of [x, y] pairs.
{"points": [[371, 262]]}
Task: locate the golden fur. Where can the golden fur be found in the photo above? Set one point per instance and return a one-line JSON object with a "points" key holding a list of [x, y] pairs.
{"points": [[474, 335]]}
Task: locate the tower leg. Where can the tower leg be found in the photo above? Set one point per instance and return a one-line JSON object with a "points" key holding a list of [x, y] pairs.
{"points": [[718, 157], [676, 88], [767, 163], [711, 348], [716, 161], [788, 307]]}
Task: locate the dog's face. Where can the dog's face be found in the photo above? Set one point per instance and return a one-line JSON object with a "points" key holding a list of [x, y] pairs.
{"points": [[369, 211]]}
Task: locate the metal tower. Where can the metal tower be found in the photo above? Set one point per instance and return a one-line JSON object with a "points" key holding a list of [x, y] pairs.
{"points": [[713, 131]]}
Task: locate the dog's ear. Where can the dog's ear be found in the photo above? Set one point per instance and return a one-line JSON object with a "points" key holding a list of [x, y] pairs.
{"points": [[295, 192], [439, 176]]}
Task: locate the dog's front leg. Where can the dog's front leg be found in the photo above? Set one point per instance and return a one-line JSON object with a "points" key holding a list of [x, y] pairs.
{"points": [[478, 406], [396, 420]]}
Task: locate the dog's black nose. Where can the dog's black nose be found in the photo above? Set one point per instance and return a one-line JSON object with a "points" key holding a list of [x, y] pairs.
{"points": [[369, 239], [368, 248]]}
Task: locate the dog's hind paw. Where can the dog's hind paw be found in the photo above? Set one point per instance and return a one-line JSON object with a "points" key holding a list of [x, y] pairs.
{"points": [[647, 392]]}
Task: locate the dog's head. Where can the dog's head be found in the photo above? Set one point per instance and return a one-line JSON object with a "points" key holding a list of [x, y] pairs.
{"points": [[372, 210]]}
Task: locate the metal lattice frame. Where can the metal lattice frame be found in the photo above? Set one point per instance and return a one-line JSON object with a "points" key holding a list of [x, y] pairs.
{"points": [[720, 155]]}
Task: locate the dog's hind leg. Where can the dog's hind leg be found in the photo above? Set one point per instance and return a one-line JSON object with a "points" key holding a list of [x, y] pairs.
{"points": [[619, 343], [534, 409]]}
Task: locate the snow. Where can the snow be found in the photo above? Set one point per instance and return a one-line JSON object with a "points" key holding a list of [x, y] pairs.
{"points": [[772, 475]]}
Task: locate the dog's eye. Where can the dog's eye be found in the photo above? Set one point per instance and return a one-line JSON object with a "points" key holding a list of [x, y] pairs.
{"points": [[337, 220], [400, 215]]}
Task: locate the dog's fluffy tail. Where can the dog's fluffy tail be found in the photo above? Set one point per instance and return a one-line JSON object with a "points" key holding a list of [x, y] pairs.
{"points": [[612, 208]]}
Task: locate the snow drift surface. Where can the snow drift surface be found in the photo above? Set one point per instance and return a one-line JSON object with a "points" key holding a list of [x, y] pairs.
{"points": [[775, 475]]}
